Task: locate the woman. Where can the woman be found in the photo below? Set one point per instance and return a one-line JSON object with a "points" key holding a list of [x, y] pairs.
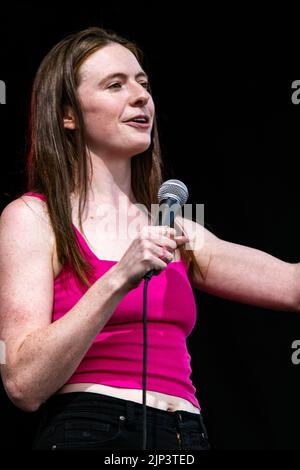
{"points": [[71, 286]]}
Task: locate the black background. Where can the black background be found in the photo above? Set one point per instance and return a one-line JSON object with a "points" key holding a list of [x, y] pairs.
{"points": [[230, 131]]}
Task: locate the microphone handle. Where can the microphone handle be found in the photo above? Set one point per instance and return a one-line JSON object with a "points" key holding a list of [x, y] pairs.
{"points": [[167, 212]]}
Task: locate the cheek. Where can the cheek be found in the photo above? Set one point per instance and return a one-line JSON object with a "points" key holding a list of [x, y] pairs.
{"points": [[100, 118]]}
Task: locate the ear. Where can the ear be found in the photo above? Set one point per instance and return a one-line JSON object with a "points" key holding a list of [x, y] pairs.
{"points": [[69, 119]]}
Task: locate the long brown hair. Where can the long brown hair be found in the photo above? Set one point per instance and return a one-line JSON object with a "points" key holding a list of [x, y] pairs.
{"points": [[58, 160]]}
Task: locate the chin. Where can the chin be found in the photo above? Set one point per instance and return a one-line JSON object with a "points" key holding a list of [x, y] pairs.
{"points": [[136, 149]]}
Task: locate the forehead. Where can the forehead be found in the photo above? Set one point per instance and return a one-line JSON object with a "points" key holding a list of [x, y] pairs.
{"points": [[113, 58]]}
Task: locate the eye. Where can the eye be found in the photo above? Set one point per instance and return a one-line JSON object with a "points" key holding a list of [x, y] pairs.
{"points": [[115, 85], [145, 85]]}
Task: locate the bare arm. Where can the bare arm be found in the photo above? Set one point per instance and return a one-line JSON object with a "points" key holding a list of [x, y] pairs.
{"points": [[40, 355], [243, 274]]}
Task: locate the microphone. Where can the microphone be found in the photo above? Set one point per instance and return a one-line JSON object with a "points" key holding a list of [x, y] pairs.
{"points": [[172, 195]]}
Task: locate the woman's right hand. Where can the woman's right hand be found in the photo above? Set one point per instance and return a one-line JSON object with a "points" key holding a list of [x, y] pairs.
{"points": [[153, 248]]}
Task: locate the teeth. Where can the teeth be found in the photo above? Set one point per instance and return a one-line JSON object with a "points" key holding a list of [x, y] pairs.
{"points": [[140, 120]]}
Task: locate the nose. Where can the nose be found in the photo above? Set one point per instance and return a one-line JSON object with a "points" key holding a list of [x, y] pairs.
{"points": [[139, 95]]}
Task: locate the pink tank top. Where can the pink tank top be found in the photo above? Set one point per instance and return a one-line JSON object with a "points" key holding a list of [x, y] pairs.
{"points": [[116, 355]]}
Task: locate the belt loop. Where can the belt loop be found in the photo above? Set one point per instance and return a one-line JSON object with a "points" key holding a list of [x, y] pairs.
{"points": [[130, 410]]}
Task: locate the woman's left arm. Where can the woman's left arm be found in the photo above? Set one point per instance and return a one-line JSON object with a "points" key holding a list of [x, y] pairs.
{"points": [[243, 274]]}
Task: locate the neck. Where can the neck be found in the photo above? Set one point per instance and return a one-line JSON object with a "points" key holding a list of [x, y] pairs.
{"points": [[110, 181]]}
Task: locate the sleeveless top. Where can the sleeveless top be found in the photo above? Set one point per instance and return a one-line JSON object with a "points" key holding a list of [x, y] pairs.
{"points": [[116, 356]]}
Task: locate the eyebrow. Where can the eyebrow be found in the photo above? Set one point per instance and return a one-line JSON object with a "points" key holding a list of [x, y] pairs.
{"points": [[123, 76]]}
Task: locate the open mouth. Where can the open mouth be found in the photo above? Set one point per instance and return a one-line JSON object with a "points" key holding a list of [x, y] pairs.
{"points": [[143, 122]]}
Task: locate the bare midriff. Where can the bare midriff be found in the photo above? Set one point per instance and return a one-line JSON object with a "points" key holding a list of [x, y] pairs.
{"points": [[153, 399]]}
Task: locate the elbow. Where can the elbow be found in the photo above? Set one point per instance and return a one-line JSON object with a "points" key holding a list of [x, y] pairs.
{"points": [[21, 398]]}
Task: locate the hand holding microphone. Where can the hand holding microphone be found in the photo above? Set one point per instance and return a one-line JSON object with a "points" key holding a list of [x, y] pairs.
{"points": [[153, 249], [172, 195]]}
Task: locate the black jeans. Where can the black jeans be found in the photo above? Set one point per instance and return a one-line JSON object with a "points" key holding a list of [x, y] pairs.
{"points": [[91, 421]]}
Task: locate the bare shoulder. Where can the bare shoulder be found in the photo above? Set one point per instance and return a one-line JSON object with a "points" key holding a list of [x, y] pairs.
{"points": [[28, 206], [26, 242], [27, 216]]}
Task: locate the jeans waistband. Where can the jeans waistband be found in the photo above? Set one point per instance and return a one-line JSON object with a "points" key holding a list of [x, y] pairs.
{"points": [[132, 410]]}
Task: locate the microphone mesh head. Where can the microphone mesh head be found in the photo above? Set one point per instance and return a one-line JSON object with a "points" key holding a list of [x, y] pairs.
{"points": [[175, 189]]}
